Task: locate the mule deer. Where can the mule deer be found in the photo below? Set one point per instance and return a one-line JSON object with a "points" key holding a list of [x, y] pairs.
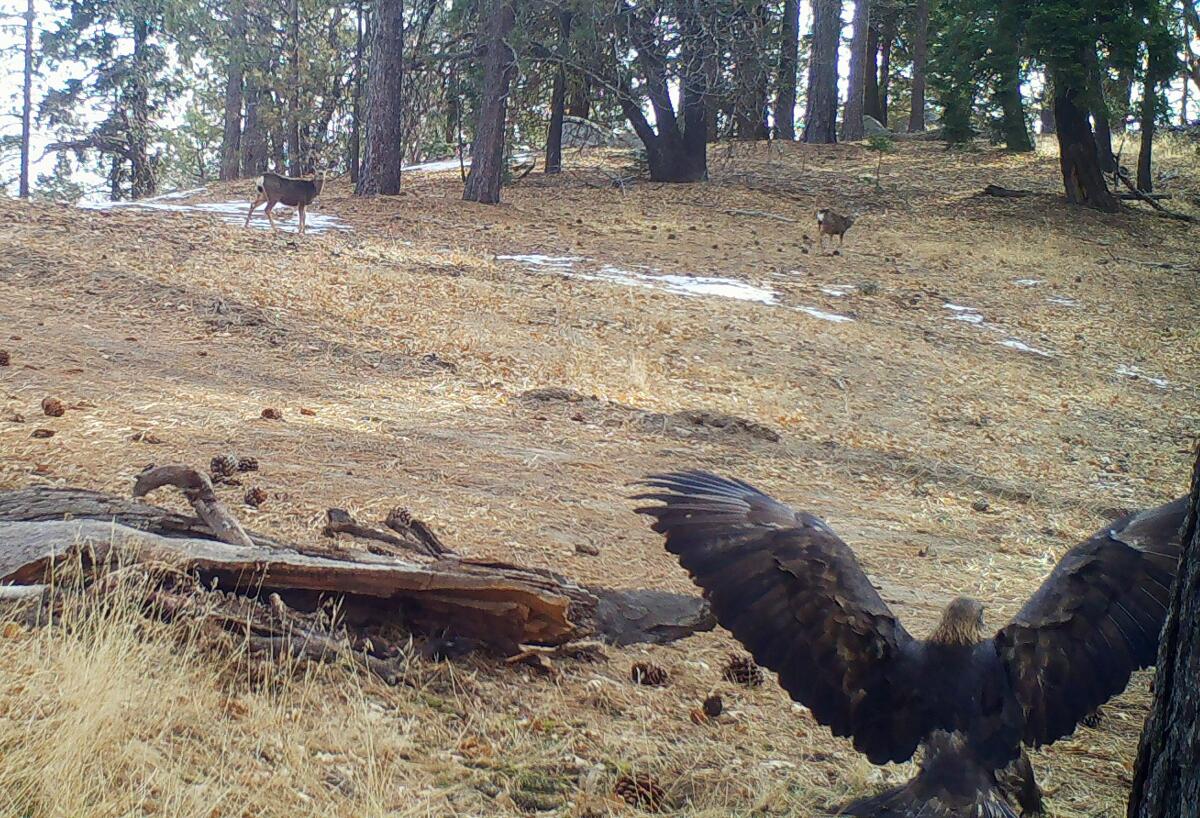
{"points": [[275, 189], [832, 224]]}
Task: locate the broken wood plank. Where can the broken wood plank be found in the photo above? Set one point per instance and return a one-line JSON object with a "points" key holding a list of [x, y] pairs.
{"points": [[198, 490]]}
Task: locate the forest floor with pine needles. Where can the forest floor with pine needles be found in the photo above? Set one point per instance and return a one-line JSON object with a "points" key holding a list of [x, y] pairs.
{"points": [[1013, 373]]}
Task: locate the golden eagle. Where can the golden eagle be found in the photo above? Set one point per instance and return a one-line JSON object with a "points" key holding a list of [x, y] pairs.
{"points": [[793, 593]]}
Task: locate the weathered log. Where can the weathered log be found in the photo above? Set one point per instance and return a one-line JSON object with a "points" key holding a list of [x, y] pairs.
{"points": [[1005, 192], [497, 603], [198, 490]]}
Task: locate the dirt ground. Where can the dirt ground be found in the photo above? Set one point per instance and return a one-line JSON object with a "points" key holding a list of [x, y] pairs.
{"points": [[1014, 372]]}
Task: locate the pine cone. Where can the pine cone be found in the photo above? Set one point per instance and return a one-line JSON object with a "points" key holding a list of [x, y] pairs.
{"points": [[1094, 718], [645, 673], [255, 497], [53, 407], [713, 706], [222, 466], [5, 358], [247, 464], [640, 790], [271, 413], [743, 670]]}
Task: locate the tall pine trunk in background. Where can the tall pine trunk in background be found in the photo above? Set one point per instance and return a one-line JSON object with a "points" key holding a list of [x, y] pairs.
{"points": [[1006, 70], [750, 73], [356, 102], [231, 139], [295, 161], [499, 68], [579, 103], [1079, 158], [820, 113], [382, 152], [920, 55], [871, 80], [26, 102], [142, 182], [887, 39], [558, 97], [789, 51], [852, 115], [1166, 777], [254, 135], [1160, 58]]}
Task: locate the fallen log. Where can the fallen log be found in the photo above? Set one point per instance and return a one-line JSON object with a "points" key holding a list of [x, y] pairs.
{"points": [[1006, 193], [499, 604]]}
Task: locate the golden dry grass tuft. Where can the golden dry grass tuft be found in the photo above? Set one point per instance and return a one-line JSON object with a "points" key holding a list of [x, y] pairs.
{"points": [[952, 463]]}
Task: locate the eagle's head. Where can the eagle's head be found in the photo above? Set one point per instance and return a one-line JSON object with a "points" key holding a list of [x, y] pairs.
{"points": [[962, 623]]}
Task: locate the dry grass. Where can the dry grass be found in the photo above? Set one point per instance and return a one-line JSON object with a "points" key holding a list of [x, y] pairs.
{"points": [[893, 425]]}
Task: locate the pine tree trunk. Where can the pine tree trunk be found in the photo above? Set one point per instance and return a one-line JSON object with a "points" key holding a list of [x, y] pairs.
{"points": [[26, 102], [1079, 159], [887, 39], [356, 103], [1145, 179], [1099, 108], [920, 49], [254, 138], [852, 115], [231, 139], [558, 98], [789, 49], [820, 113], [580, 102], [1166, 779], [750, 99], [142, 182], [295, 162], [871, 80], [1008, 93], [382, 152], [499, 68]]}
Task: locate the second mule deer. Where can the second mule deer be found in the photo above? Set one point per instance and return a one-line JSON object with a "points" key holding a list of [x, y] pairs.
{"points": [[276, 189], [832, 224]]}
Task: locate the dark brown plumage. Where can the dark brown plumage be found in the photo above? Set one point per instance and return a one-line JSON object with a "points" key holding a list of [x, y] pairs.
{"points": [[795, 595]]}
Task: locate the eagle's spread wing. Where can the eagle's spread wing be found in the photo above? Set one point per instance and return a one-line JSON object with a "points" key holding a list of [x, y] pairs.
{"points": [[1094, 621], [794, 594]]}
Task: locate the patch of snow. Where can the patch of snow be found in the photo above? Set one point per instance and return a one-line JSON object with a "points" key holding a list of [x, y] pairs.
{"points": [[179, 194], [1029, 282], [968, 314], [1137, 375], [562, 263], [1062, 301], [1021, 346], [825, 316], [229, 212], [434, 167], [838, 290]]}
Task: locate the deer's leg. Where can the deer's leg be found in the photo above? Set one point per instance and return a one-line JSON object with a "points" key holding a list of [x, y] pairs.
{"points": [[257, 201], [270, 218], [301, 209], [841, 238]]}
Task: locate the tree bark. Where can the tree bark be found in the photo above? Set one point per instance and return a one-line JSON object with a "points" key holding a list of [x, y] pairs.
{"points": [[254, 138], [142, 182], [579, 104], [356, 103], [789, 49], [1098, 105], [295, 160], [887, 39], [871, 80], [1008, 93], [26, 102], [1079, 159], [382, 153], [499, 68], [750, 75], [852, 115], [1154, 75], [820, 113], [231, 139], [920, 49], [558, 98], [1166, 780]]}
